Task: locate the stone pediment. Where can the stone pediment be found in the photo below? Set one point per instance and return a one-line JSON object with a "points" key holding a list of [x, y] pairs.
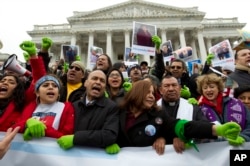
{"points": [[136, 9]]}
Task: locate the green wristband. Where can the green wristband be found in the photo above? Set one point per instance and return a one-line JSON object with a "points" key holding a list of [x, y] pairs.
{"points": [[179, 131]]}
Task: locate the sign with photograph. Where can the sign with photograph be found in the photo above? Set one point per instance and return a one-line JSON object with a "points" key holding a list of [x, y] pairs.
{"points": [[129, 57], [94, 53], [69, 53], [223, 53], [142, 38], [185, 54], [194, 66]]}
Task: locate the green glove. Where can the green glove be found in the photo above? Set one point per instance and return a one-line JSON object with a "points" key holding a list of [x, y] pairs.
{"points": [[209, 58], [66, 142], [106, 94], [127, 86], [112, 149], [126, 79], [36, 127], [229, 130], [237, 142], [26, 135], [185, 93], [157, 41], [65, 67], [26, 56], [46, 43], [78, 58], [193, 101], [137, 57], [188, 146], [29, 47]]}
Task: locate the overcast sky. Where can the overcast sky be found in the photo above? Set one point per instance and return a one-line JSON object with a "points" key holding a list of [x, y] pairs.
{"points": [[19, 16]]}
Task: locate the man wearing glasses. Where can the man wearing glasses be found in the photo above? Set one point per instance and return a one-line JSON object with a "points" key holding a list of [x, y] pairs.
{"points": [[74, 82]]}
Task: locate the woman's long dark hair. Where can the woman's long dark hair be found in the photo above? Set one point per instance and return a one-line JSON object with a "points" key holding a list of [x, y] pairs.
{"points": [[18, 96]]}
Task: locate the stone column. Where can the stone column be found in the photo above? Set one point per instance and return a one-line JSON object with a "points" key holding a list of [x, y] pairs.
{"points": [[194, 48], [203, 52], [127, 38], [109, 48], [176, 45], [73, 39], [208, 42], [91, 43], [163, 35], [182, 37]]}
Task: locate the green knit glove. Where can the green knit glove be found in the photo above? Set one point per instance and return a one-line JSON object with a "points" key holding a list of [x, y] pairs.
{"points": [[78, 58], [179, 131], [46, 43], [185, 93], [106, 94], [29, 47], [137, 57], [36, 127], [193, 101], [229, 130], [188, 146], [65, 67], [209, 58], [127, 86], [157, 41], [112, 149], [66, 142], [237, 142], [26, 135], [26, 56]]}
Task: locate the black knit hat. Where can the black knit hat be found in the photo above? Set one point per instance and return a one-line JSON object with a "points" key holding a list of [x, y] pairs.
{"points": [[239, 90], [144, 62]]}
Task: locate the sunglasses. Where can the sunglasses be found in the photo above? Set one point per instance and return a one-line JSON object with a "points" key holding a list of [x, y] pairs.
{"points": [[75, 67], [177, 67]]}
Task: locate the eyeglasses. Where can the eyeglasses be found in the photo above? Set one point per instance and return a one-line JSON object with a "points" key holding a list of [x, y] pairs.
{"points": [[177, 67], [75, 67], [114, 75]]}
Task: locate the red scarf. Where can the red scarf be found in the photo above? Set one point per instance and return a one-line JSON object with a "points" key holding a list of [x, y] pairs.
{"points": [[218, 107]]}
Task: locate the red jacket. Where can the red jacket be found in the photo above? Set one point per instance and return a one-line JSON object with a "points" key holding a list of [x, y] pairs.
{"points": [[66, 124], [11, 113]]}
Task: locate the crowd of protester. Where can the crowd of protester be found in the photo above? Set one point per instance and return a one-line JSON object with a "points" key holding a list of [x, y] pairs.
{"points": [[101, 108]]}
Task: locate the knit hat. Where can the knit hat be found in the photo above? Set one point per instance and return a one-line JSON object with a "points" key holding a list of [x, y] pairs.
{"points": [[44, 79], [79, 64], [239, 90], [132, 67], [144, 62]]}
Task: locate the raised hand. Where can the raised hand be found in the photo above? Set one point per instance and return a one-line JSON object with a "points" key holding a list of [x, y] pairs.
{"points": [[209, 58], [29, 47], [46, 43], [157, 41]]}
